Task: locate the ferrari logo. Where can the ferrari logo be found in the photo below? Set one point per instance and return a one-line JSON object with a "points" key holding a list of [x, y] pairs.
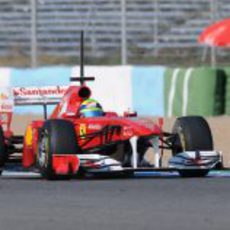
{"points": [[82, 130]]}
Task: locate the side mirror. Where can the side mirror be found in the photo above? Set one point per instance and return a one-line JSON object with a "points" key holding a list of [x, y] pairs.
{"points": [[130, 113]]}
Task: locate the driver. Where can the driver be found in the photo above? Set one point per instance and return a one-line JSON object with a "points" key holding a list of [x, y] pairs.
{"points": [[90, 108]]}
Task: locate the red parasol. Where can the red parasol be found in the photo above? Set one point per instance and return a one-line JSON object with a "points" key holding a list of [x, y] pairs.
{"points": [[217, 34]]}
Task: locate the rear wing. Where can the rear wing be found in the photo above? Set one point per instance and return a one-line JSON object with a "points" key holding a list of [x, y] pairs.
{"points": [[6, 108], [46, 95], [22, 96], [6, 100]]}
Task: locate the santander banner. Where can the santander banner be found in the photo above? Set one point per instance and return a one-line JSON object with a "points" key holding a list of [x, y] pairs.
{"points": [[38, 95]]}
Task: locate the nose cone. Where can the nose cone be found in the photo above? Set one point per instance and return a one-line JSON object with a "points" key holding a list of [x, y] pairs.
{"points": [[143, 126]]}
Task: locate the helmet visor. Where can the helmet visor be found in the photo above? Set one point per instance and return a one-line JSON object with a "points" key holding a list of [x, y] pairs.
{"points": [[95, 113]]}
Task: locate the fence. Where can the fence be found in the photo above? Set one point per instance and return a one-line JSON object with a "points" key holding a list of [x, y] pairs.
{"points": [[117, 31]]}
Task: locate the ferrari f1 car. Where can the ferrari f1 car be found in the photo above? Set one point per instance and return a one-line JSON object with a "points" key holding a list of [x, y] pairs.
{"points": [[68, 145]]}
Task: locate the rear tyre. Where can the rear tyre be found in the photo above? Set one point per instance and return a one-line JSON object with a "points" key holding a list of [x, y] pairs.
{"points": [[55, 137], [192, 133], [3, 150]]}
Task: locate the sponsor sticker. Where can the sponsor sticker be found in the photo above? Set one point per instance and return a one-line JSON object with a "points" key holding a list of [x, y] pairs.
{"points": [[95, 126], [47, 91]]}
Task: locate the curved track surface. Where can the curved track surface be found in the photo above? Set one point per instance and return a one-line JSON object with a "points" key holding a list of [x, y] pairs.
{"points": [[107, 204]]}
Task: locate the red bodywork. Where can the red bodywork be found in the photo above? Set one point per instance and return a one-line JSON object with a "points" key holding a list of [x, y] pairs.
{"points": [[5, 123], [124, 127]]}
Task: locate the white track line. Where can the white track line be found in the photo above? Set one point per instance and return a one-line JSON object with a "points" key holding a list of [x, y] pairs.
{"points": [[6, 173]]}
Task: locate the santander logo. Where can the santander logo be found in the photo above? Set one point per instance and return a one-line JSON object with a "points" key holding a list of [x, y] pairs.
{"points": [[39, 91]]}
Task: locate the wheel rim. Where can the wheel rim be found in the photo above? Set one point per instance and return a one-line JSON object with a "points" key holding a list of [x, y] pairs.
{"points": [[43, 151]]}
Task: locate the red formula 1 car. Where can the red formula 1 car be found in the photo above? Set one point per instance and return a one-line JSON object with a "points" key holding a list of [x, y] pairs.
{"points": [[69, 144]]}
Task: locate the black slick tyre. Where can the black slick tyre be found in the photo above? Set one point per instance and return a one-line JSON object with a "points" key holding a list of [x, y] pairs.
{"points": [[57, 136], [191, 133], [3, 151]]}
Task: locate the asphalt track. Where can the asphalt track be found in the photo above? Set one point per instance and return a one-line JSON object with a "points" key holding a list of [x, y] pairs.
{"points": [[150, 201]]}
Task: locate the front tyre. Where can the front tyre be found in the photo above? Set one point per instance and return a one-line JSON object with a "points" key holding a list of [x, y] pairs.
{"points": [[192, 133], [55, 137]]}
